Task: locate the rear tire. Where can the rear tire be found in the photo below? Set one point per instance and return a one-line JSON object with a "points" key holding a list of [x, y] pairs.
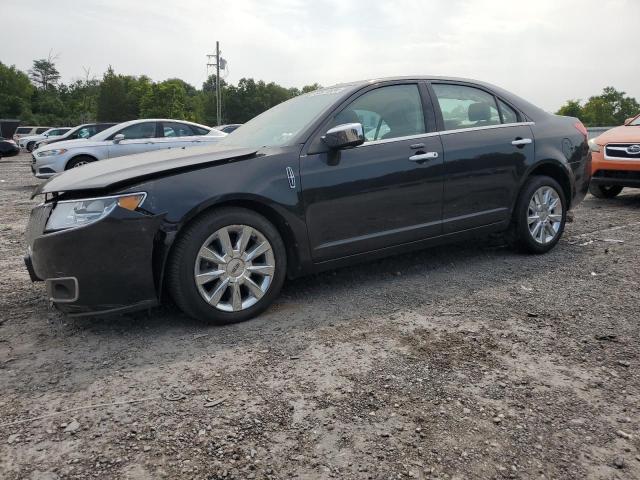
{"points": [[605, 191], [79, 161], [211, 273], [540, 215], [30, 146]]}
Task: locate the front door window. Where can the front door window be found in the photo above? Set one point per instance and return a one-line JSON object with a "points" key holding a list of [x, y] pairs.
{"points": [[386, 112]]}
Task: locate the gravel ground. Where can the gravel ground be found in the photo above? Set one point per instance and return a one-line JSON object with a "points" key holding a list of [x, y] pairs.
{"points": [[465, 361]]}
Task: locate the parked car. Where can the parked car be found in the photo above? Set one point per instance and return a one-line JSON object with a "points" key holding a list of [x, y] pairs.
{"points": [[84, 131], [26, 131], [8, 148], [29, 142], [616, 160], [300, 189], [228, 128], [126, 138]]}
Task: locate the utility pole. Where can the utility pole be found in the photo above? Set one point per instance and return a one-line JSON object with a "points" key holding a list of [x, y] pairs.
{"points": [[220, 63], [218, 93]]}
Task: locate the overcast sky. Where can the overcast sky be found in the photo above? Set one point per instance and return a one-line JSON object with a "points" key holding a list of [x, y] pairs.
{"points": [[544, 50]]}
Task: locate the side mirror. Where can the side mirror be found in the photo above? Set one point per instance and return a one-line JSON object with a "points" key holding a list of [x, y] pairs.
{"points": [[344, 136], [118, 138], [46, 134]]}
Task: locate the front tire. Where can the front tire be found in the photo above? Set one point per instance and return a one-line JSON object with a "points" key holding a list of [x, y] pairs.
{"points": [[30, 146], [540, 215], [79, 162], [227, 266], [604, 191]]}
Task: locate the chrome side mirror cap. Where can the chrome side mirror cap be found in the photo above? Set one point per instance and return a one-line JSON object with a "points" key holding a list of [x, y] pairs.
{"points": [[344, 136]]}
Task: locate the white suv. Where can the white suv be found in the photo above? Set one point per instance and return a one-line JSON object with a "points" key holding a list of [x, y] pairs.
{"points": [[30, 141], [128, 138]]}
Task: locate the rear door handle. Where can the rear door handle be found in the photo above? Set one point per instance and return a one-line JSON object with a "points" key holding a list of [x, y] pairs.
{"points": [[521, 141], [421, 157]]}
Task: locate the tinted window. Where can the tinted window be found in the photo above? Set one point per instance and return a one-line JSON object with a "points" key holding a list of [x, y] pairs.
{"points": [[199, 130], [175, 129], [139, 130], [59, 131], [41, 130], [386, 112], [23, 130], [509, 115], [466, 107], [85, 132], [228, 128]]}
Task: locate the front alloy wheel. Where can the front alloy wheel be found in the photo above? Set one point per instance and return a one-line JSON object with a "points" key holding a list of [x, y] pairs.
{"points": [[234, 268], [227, 266]]}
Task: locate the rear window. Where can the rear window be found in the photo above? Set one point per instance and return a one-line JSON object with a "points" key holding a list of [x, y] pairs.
{"points": [[23, 130], [199, 130]]}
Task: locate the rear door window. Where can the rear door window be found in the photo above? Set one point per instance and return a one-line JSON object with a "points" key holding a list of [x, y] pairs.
{"points": [[466, 107], [509, 115], [85, 132], [176, 129]]}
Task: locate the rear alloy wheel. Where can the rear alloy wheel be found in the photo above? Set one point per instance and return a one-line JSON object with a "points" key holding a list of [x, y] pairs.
{"points": [[227, 267], [540, 215], [79, 162], [604, 191]]}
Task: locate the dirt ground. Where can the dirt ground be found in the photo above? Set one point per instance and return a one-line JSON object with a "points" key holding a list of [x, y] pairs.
{"points": [[465, 361]]}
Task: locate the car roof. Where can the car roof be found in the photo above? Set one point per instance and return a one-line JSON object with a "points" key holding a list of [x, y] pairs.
{"points": [[531, 110]]}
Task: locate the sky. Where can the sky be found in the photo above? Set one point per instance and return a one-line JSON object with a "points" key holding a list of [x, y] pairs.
{"points": [[547, 51]]}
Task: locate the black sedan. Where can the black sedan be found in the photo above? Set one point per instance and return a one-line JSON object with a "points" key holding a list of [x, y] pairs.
{"points": [[329, 178], [8, 148]]}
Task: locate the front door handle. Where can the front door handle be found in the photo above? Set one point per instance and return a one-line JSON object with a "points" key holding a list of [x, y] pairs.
{"points": [[421, 157], [518, 142]]}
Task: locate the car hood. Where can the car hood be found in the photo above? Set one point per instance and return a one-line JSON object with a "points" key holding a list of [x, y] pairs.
{"points": [[73, 143], [120, 170], [624, 134]]}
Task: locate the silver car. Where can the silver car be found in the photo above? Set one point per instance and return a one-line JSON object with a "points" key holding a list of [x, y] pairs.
{"points": [[128, 138], [29, 142]]}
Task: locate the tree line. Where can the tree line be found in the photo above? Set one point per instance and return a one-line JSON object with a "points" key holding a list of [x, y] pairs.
{"points": [[38, 97], [608, 109]]}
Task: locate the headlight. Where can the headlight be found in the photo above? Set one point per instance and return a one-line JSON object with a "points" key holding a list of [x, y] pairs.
{"points": [[593, 146], [51, 153], [78, 213]]}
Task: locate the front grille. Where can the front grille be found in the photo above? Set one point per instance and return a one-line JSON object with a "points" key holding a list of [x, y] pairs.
{"points": [[625, 151], [37, 222], [33, 158]]}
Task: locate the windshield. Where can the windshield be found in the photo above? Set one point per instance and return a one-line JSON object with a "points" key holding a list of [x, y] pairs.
{"points": [[635, 122], [280, 125]]}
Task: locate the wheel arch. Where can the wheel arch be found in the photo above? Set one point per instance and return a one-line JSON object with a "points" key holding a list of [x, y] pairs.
{"points": [[260, 207], [93, 157], [556, 170]]}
